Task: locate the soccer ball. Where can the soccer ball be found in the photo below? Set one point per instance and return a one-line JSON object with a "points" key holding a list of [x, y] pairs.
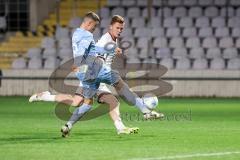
{"points": [[150, 100]]}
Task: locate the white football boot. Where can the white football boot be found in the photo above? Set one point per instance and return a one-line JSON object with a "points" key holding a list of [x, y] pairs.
{"points": [[38, 96], [153, 115], [128, 130]]}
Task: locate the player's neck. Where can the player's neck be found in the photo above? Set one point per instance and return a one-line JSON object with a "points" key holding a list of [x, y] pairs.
{"points": [[113, 37]]}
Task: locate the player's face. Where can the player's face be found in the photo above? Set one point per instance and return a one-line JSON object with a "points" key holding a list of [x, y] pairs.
{"points": [[116, 29], [93, 26]]}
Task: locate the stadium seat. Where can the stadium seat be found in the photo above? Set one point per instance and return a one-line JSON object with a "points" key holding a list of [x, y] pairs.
{"points": [[49, 52], [138, 22], [202, 22], [174, 3], [157, 3], [196, 53], [61, 33], [163, 53], [145, 12], [64, 43], [209, 42], [142, 43], [180, 12], [113, 3], [142, 3], [195, 12], [142, 32], [193, 42], [233, 64], [133, 12], [19, 63], [218, 22], [160, 42], [35, 64], [157, 32], [176, 42], [237, 45], [128, 3], [236, 32], [170, 22], [131, 53], [230, 53], [105, 23], [227, 12], [222, 32], [205, 2], [127, 32], [234, 22], [34, 53], [143, 53], [48, 42], [205, 32], [51, 63], [118, 11], [179, 53], [104, 12], [200, 64], [190, 2], [235, 2], [189, 32], [226, 42], [186, 22], [75, 22], [211, 11], [155, 22], [65, 52], [237, 12], [183, 64], [173, 32], [167, 62], [217, 64], [165, 12], [220, 2], [213, 53]]}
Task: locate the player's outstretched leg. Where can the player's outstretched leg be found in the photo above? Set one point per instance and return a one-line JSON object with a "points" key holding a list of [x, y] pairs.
{"points": [[43, 96], [134, 99]]}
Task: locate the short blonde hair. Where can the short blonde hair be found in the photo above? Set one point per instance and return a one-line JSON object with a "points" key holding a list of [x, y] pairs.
{"points": [[117, 19]]}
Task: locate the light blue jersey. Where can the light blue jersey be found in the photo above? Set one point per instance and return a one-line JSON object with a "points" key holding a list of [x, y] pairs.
{"points": [[92, 71]]}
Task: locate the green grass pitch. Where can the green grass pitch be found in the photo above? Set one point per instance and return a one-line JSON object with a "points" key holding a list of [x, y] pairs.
{"points": [[194, 129]]}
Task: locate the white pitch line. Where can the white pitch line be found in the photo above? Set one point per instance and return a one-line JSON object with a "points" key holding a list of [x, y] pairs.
{"points": [[189, 156]]}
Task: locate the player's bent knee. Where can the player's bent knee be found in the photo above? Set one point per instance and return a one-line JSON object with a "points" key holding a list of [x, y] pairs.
{"points": [[77, 101]]}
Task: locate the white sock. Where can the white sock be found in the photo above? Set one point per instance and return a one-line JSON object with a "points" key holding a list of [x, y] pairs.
{"points": [[139, 104], [48, 97], [119, 125]]}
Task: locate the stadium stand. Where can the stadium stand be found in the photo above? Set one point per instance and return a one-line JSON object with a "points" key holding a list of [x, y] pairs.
{"points": [[186, 34]]}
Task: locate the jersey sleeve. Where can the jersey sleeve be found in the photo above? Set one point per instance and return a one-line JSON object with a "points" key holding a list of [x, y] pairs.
{"points": [[80, 43]]}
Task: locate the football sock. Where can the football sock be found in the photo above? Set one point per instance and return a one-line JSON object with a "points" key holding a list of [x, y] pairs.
{"points": [[78, 113], [48, 97], [133, 98], [119, 124]]}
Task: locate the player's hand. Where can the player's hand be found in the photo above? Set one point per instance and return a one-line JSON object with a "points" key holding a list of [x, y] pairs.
{"points": [[118, 51]]}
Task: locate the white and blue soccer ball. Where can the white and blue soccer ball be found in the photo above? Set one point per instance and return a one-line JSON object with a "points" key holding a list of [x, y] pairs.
{"points": [[150, 100]]}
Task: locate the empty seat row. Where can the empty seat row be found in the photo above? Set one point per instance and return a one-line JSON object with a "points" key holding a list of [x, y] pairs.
{"points": [[134, 12], [158, 3]]}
